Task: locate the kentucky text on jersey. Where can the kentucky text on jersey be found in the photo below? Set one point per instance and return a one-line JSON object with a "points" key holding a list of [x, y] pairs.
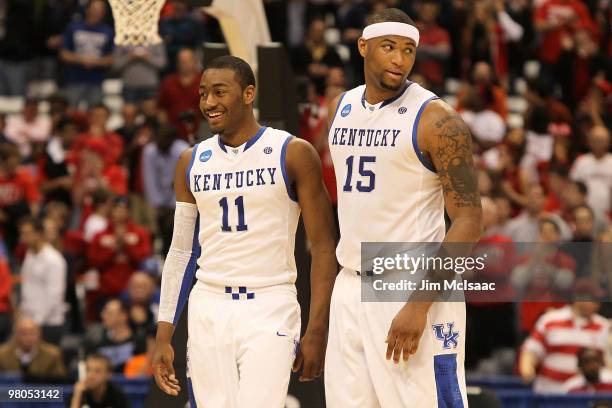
{"points": [[237, 179], [365, 137]]}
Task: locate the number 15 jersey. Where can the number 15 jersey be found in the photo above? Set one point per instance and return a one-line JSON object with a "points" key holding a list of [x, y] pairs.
{"points": [[248, 212], [387, 190]]}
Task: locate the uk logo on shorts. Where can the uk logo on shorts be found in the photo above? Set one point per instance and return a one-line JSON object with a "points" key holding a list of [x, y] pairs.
{"points": [[450, 338], [204, 156], [346, 110]]}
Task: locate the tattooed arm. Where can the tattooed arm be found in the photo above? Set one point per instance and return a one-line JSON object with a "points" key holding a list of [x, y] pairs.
{"points": [[446, 141]]}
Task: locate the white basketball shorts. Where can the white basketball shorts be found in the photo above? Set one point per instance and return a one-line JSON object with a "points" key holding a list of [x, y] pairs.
{"points": [[241, 345], [357, 373]]}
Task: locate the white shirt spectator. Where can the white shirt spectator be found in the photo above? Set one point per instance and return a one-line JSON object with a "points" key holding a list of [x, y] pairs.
{"points": [[486, 126], [597, 175], [23, 133], [539, 148], [555, 340], [94, 224], [43, 286]]}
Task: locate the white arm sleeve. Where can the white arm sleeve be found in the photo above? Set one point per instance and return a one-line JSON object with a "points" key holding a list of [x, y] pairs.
{"points": [[180, 265], [513, 30]]}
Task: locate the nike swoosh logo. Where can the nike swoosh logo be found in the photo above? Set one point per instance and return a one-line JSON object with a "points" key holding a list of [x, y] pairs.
{"points": [[280, 334]]}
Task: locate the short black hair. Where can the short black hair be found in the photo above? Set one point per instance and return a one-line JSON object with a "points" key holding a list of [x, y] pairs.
{"points": [[581, 186], [64, 122], [582, 353], [390, 15], [559, 169], [101, 357], [8, 150], [244, 72], [547, 220], [123, 306], [101, 196], [35, 222]]}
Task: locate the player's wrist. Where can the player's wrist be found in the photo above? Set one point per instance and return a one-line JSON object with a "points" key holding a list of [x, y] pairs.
{"points": [[318, 330], [419, 305]]}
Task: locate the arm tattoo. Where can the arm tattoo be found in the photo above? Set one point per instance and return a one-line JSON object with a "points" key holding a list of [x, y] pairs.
{"points": [[454, 160]]}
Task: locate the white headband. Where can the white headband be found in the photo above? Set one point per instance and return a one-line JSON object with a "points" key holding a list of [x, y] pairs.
{"points": [[391, 28]]}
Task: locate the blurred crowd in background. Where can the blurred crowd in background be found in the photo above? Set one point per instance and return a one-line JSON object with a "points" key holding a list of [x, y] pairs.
{"points": [[87, 157]]}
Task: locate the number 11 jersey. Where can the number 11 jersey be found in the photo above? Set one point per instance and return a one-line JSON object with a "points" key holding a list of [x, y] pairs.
{"points": [[248, 211]]}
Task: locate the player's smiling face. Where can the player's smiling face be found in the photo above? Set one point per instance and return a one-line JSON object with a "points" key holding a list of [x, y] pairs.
{"points": [[388, 60], [222, 100]]}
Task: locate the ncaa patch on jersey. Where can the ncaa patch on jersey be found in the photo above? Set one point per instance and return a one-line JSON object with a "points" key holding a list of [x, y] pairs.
{"points": [[346, 110], [205, 155], [402, 110], [267, 150]]}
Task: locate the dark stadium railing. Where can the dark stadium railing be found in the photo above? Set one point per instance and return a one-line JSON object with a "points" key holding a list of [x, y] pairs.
{"points": [[511, 391]]}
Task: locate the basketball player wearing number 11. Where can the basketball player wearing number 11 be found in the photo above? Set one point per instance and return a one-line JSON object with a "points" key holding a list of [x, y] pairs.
{"points": [[400, 156], [239, 196]]}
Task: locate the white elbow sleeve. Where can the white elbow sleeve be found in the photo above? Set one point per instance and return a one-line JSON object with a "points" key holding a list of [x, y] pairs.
{"points": [[180, 265]]}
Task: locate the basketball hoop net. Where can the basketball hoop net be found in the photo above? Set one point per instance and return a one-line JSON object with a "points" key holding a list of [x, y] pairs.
{"points": [[136, 21]]}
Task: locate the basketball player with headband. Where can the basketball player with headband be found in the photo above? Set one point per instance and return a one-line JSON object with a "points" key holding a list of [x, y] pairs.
{"points": [[401, 156]]}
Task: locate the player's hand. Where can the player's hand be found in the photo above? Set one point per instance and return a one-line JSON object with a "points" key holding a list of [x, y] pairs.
{"points": [[406, 330], [163, 370], [310, 356]]}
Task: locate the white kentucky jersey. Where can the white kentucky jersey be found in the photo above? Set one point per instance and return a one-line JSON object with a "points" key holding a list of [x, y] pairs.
{"points": [[248, 212], [387, 190]]}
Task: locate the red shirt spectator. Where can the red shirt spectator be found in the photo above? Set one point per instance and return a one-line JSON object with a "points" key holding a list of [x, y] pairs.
{"points": [[179, 93], [18, 186], [493, 97], [112, 146], [557, 18], [5, 286], [112, 142], [435, 39], [93, 172], [117, 251], [553, 344], [434, 44]]}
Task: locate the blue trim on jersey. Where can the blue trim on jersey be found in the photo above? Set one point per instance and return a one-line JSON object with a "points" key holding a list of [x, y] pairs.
{"points": [[337, 108], [255, 138], [189, 274], [390, 100], [192, 401], [221, 145], [396, 97], [447, 384], [193, 154], [290, 191], [415, 143]]}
